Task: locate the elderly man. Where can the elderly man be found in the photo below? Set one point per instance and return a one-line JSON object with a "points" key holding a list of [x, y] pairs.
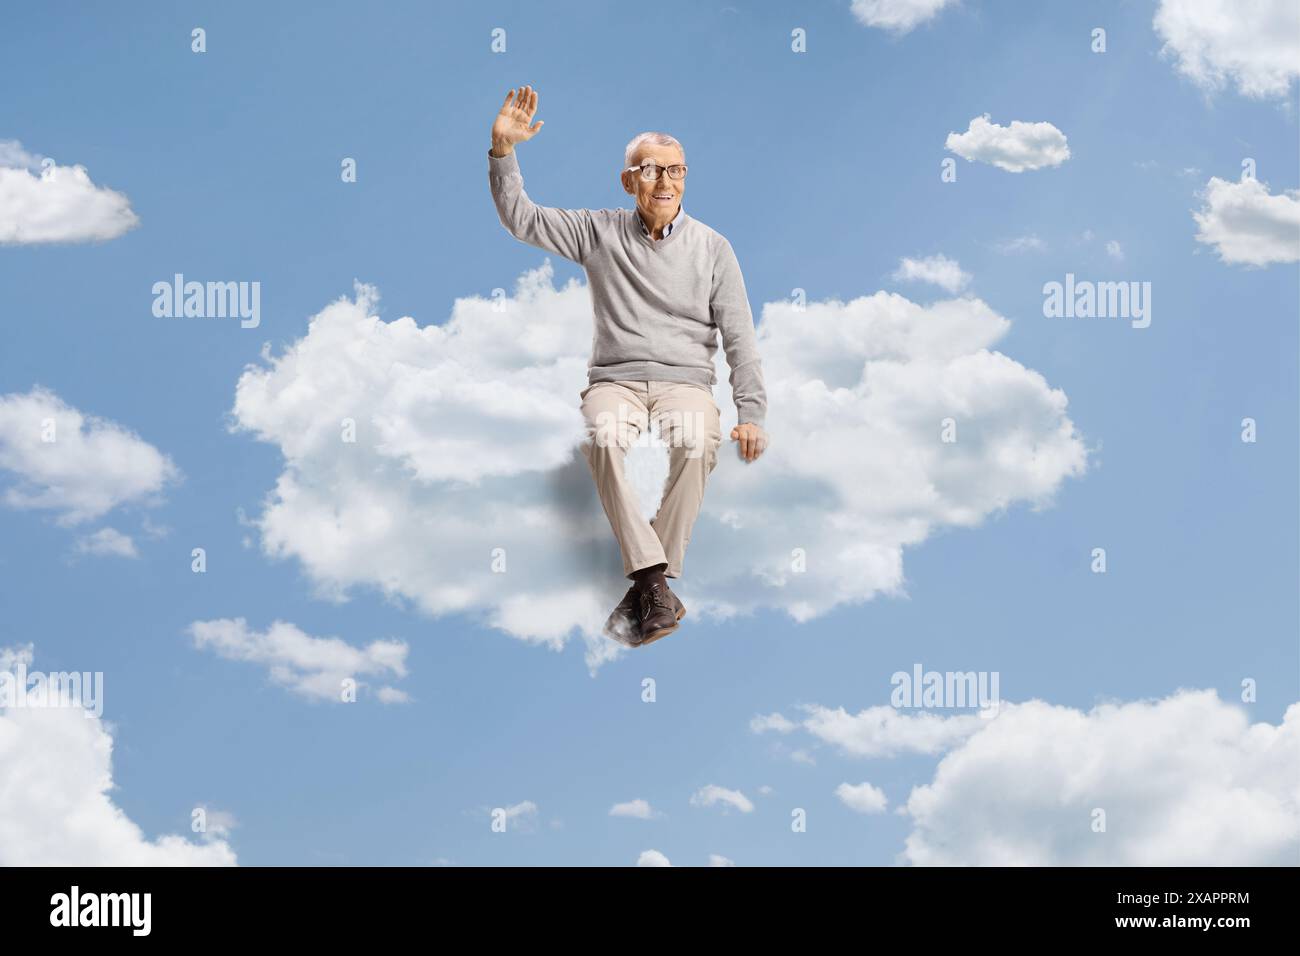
{"points": [[663, 285]]}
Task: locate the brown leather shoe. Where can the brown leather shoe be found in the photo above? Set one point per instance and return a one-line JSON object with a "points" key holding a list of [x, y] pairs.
{"points": [[624, 622], [661, 612]]}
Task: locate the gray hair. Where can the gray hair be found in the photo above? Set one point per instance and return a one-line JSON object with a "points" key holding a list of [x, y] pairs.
{"points": [[650, 139]]}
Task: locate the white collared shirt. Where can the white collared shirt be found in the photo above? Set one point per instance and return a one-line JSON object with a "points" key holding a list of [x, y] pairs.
{"points": [[681, 210]]}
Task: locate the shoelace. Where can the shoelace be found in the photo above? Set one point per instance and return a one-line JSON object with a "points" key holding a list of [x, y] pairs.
{"points": [[651, 598]]}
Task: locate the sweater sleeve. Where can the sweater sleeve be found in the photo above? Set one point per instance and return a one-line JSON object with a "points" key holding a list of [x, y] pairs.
{"points": [[566, 232], [729, 309]]}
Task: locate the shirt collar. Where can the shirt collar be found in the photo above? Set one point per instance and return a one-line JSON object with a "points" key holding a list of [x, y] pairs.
{"points": [[668, 229]]}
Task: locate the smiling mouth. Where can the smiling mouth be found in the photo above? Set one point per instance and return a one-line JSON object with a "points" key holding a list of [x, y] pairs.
{"points": [[664, 198]]}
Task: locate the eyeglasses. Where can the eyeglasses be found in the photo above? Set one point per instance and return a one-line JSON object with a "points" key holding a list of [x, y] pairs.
{"points": [[650, 172]]}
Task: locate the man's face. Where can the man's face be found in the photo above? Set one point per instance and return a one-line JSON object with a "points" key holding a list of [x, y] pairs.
{"points": [[657, 200]]}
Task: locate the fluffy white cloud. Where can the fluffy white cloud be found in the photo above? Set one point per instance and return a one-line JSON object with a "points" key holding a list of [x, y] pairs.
{"points": [[1252, 43], [313, 667], [1247, 224], [713, 795], [862, 797], [55, 804], [52, 203], [109, 542], [76, 465], [1015, 148], [897, 16], [1114, 249], [883, 731], [937, 270], [716, 859], [639, 809], [1184, 780], [464, 490]]}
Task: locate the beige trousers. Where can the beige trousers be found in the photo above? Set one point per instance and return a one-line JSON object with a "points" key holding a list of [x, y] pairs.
{"points": [[688, 421]]}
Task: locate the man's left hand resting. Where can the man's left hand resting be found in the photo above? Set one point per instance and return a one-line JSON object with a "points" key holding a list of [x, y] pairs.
{"points": [[753, 440]]}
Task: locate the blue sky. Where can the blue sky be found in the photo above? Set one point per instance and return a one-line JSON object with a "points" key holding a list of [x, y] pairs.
{"points": [[823, 170]]}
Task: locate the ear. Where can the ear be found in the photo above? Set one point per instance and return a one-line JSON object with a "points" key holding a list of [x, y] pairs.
{"points": [[626, 179]]}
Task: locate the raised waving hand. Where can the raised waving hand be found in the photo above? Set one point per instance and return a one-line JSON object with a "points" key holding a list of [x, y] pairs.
{"points": [[512, 123]]}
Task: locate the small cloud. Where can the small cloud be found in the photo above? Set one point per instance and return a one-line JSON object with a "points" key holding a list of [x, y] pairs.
{"points": [[72, 463], [43, 202], [217, 824], [638, 809], [1114, 250], [718, 860], [937, 270], [312, 667], [107, 542], [521, 816], [1015, 148], [1019, 244], [712, 795], [154, 531], [774, 722], [1246, 224], [862, 797], [897, 16], [883, 730], [652, 858]]}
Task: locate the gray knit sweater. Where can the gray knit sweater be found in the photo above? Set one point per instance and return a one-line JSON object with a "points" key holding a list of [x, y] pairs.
{"points": [[658, 305]]}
